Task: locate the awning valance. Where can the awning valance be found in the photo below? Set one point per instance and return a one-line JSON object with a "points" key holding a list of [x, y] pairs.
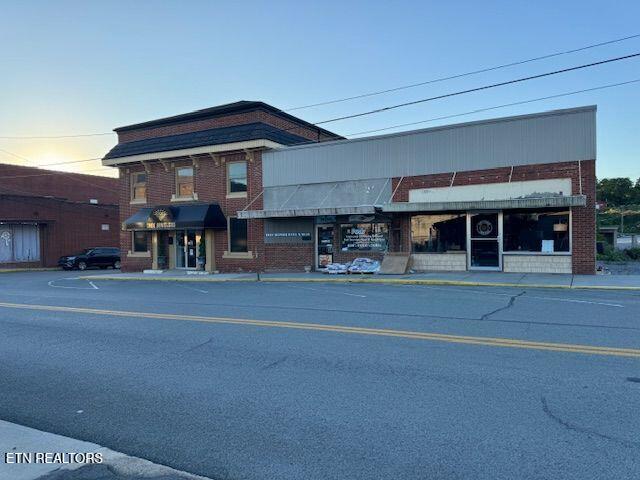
{"points": [[172, 217], [532, 202]]}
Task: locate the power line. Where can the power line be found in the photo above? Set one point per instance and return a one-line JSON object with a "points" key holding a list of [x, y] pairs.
{"points": [[477, 89], [52, 137], [57, 172], [71, 161], [602, 87], [60, 173], [461, 75], [51, 164]]}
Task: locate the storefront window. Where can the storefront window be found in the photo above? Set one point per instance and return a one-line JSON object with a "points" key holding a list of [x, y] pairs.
{"points": [[237, 235], [237, 177], [364, 237], [546, 231], [138, 186], [438, 233], [140, 241], [184, 181]]}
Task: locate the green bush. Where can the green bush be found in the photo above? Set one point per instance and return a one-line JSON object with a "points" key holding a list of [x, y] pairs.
{"points": [[613, 255], [633, 253]]}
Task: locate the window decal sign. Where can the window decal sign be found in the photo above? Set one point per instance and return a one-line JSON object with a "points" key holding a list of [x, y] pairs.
{"points": [[484, 227], [364, 236]]}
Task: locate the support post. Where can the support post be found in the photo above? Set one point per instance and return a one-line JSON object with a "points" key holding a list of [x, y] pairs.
{"points": [[154, 250], [210, 264]]}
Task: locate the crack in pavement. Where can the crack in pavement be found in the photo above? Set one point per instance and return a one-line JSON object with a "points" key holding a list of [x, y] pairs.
{"points": [[276, 363], [198, 346], [512, 300], [583, 430]]}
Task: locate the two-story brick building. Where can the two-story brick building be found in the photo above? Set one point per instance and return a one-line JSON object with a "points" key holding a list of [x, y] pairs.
{"points": [[184, 178], [247, 187]]}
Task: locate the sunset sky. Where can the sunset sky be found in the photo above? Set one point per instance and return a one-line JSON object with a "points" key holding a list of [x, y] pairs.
{"points": [[72, 68]]}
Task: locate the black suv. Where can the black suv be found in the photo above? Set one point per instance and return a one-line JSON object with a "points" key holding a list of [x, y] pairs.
{"points": [[101, 257]]}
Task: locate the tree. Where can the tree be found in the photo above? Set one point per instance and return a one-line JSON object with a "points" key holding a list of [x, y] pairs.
{"points": [[617, 191]]}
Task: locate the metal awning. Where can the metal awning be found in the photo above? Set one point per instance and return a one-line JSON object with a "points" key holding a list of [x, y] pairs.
{"points": [[306, 212], [172, 217], [529, 202]]}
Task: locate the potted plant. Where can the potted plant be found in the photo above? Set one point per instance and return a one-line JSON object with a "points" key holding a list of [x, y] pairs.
{"points": [[202, 254]]}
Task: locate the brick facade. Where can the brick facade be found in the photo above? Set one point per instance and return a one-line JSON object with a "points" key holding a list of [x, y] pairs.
{"points": [[285, 124], [65, 227], [583, 180], [60, 204]]}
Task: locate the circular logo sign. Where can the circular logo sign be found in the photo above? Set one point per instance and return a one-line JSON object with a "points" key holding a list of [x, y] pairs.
{"points": [[484, 227]]}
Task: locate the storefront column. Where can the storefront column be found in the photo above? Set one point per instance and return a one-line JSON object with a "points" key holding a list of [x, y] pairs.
{"points": [[172, 250], [210, 264], [154, 250]]}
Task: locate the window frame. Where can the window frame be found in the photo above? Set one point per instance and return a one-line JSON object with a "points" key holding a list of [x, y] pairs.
{"points": [[229, 250], [240, 194], [178, 183], [133, 241], [523, 252], [463, 246], [134, 184]]}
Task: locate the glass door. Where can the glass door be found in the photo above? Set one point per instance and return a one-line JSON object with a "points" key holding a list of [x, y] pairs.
{"points": [[484, 241], [324, 246], [187, 248], [191, 249], [180, 249]]}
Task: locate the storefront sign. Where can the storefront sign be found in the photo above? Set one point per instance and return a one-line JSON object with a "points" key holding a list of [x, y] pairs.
{"points": [[304, 236], [161, 218], [322, 219], [288, 230], [364, 236]]}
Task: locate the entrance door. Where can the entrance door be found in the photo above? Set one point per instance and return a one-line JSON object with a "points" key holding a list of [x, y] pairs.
{"points": [[186, 248], [324, 245], [484, 241], [190, 248]]}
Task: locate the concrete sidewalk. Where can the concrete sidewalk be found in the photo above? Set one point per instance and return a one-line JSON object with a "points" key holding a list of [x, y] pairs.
{"points": [[115, 466], [495, 279]]}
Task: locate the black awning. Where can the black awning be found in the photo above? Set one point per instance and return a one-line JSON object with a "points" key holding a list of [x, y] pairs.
{"points": [[172, 217]]}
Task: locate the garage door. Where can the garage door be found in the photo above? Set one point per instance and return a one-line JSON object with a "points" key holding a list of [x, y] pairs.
{"points": [[19, 243]]}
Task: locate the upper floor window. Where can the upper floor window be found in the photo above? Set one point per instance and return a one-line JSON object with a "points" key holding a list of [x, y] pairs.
{"points": [[237, 178], [139, 186], [184, 181]]}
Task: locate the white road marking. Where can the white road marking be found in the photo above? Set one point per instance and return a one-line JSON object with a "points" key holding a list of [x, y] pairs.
{"points": [[327, 290], [576, 301], [93, 285], [50, 283], [555, 299], [192, 288]]}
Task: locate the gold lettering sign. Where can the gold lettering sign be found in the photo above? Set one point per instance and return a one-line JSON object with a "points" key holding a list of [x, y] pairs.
{"points": [[158, 225]]}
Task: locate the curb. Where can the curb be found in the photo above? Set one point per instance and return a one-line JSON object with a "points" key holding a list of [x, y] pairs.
{"points": [[409, 281], [168, 279], [390, 281], [18, 270]]}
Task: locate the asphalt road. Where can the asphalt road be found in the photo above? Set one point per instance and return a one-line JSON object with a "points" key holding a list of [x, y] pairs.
{"points": [[356, 381]]}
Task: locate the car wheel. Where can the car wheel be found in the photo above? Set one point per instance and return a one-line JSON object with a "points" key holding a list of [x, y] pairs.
{"points": [[116, 264], [82, 265]]}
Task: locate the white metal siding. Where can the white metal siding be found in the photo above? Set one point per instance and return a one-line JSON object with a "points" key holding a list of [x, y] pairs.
{"points": [[558, 136]]}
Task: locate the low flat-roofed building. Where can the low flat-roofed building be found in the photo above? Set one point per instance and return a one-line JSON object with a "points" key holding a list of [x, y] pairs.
{"points": [[45, 214], [515, 194]]}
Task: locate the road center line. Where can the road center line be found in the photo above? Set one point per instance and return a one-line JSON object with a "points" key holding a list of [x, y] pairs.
{"points": [[438, 337]]}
